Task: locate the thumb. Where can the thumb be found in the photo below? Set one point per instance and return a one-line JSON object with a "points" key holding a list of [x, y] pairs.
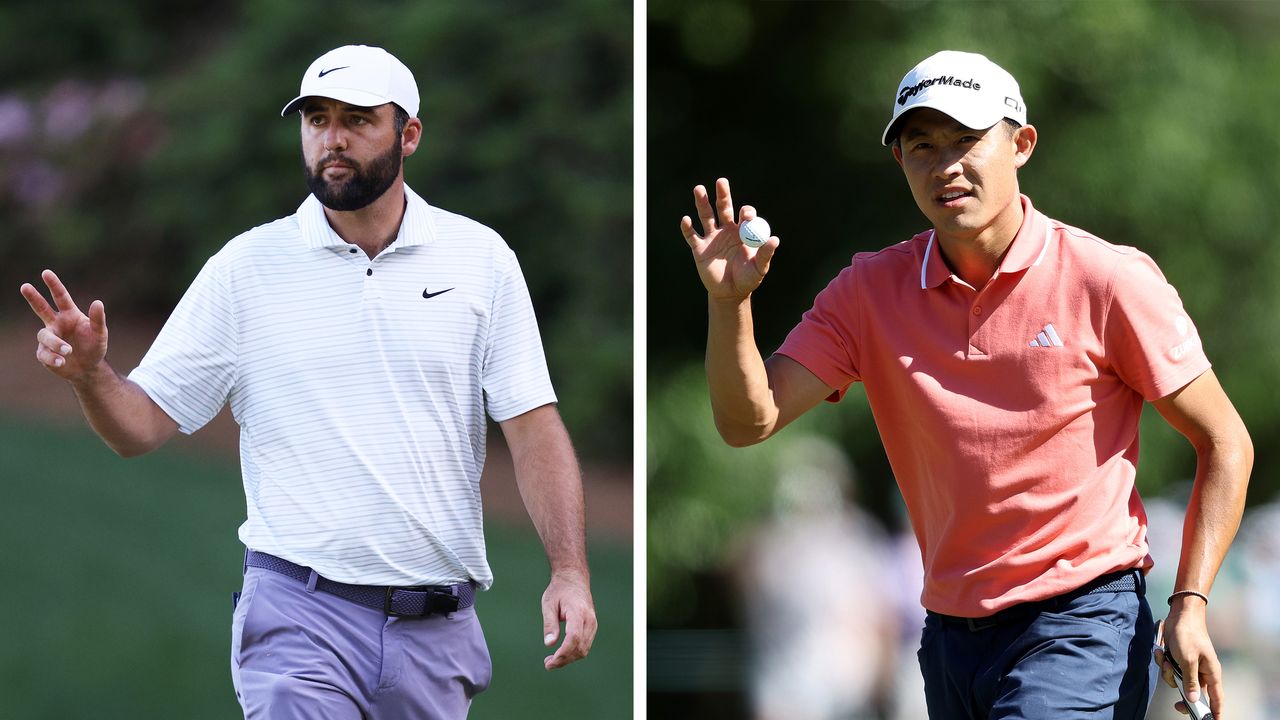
{"points": [[98, 317], [550, 622], [764, 254]]}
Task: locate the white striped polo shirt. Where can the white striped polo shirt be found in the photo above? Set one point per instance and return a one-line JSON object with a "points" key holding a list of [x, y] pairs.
{"points": [[360, 386]]}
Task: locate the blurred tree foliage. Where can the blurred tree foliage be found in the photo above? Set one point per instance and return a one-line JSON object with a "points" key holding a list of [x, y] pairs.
{"points": [[1158, 129], [138, 136]]}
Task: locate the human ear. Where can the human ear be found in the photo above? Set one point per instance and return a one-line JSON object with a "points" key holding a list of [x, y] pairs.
{"points": [[1024, 143], [411, 136]]}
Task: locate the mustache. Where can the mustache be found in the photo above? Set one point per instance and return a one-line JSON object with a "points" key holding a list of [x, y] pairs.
{"points": [[333, 159]]}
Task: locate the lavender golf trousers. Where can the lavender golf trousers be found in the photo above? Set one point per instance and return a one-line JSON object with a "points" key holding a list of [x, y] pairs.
{"points": [[307, 654]]}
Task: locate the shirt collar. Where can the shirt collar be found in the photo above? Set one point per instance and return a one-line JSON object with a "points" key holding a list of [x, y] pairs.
{"points": [[1027, 249], [417, 227]]}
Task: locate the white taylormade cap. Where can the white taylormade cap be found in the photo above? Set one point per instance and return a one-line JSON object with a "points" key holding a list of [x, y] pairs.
{"points": [[970, 88], [359, 75]]}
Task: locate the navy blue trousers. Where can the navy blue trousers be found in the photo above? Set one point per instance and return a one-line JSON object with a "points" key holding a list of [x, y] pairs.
{"points": [[1074, 656]]}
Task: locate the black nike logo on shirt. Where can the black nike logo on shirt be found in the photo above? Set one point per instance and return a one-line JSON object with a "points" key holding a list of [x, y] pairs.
{"points": [[430, 295], [326, 72]]}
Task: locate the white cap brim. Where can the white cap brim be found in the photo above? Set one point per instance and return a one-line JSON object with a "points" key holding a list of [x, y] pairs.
{"points": [[346, 95], [968, 117]]}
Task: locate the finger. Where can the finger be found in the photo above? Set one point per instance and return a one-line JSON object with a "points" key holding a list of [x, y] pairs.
{"points": [[1214, 688], [38, 304], [686, 229], [724, 202], [61, 298], [98, 318], [49, 358], [1166, 674], [573, 648], [550, 621], [52, 342], [1191, 678], [745, 213], [705, 214]]}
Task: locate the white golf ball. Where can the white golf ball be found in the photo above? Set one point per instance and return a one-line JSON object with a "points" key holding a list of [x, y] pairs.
{"points": [[754, 232]]}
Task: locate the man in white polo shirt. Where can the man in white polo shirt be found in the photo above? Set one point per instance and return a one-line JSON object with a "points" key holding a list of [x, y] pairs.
{"points": [[360, 343]]}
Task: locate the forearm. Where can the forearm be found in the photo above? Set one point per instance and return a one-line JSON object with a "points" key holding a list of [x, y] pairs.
{"points": [[741, 398], [1214, 512], [550, 484], [121, 413]]}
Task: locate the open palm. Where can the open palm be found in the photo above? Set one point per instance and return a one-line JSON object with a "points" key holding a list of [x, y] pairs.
{"points": [[729, 269]]}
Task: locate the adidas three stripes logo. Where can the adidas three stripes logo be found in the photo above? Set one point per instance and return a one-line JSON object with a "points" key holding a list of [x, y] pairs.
{"points": [[1047, 338]]}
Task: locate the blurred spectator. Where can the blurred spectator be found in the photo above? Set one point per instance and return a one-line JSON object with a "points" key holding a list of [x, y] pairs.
{"points": [[1258, 553], [819, 593], [833, 605]]}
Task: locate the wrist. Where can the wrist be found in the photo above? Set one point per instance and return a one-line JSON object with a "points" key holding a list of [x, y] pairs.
{"points": [[1188, 599], [572, 574], [93, 378], [728, 302]]}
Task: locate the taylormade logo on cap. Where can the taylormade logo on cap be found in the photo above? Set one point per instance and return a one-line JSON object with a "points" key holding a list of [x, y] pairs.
{"points": [[914, 89], [359, 75], [967, 86]]}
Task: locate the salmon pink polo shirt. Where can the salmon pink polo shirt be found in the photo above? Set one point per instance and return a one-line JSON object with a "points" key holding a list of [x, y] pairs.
{"points": [[1009, 414]]}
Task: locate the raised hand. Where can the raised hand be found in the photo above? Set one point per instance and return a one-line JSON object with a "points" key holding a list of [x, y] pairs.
{"points": [[729, 269], [71, 344]]}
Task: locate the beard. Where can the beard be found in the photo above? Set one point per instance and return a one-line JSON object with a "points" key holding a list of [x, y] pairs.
{"points": [[366, 183]]}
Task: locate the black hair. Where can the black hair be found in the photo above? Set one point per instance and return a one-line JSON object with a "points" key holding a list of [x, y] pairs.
{"points": [[401, 118]]}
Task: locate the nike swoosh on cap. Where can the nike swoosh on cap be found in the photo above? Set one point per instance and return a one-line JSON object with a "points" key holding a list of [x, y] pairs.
{"points": [[326, 72]]}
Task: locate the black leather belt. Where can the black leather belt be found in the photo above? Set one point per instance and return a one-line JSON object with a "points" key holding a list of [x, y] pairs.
{"points": [[1120, 581], [413, 601]]}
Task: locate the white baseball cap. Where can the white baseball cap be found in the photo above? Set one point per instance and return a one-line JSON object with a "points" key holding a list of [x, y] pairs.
{"points": [[967, 86], [359, 75]]}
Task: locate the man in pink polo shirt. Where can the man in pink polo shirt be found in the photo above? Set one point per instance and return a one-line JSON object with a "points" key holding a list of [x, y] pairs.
{"points": [[1006, 357]]}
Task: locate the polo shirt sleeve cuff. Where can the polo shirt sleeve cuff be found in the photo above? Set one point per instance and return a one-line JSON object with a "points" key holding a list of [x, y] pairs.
{"points": [[516, 409], [1166, 386], [832, 377], [151, 385]]}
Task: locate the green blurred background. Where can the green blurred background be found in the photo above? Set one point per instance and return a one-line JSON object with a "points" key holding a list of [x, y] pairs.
{"points": [[1158, 128], [137, 137]]}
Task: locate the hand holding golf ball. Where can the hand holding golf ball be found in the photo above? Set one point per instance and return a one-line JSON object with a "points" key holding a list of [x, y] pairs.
{"points": [[726, 271], [754, 232]]}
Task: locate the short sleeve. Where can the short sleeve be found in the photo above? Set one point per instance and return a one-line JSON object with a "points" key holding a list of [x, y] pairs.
{"points": [[1150, 340], [515, 377], [826, 340], [191, 367]]}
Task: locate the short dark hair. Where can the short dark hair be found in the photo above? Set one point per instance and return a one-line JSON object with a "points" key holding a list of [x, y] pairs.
{"points": [[401, 118]]}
